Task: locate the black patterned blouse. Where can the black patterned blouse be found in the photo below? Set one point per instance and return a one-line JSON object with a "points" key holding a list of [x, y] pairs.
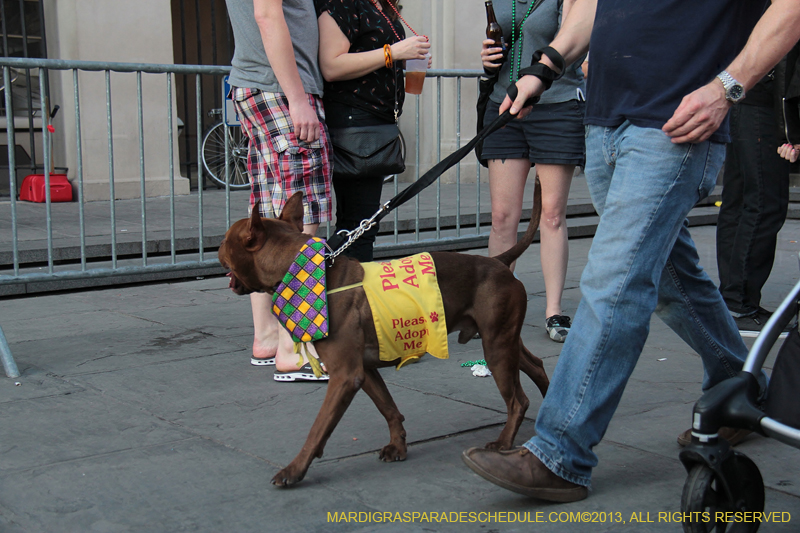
{"points": [[366, 29]]}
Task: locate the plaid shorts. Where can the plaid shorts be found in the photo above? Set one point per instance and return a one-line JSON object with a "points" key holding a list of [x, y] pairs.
{"points": [[278, 163]]}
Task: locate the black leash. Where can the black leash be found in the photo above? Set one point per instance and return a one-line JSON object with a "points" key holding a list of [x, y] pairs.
{"points": [[340, 241]]}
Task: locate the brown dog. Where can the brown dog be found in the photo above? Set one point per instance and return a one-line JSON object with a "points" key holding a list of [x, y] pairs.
{"points": [[480, 295]]}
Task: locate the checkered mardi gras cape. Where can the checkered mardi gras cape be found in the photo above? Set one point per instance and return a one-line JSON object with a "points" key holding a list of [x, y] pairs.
{"points": [[300, 302]]}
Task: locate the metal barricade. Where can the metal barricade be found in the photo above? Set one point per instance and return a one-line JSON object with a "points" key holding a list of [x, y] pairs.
{"points": [[74, 265], [53, 246], [50, 262]]}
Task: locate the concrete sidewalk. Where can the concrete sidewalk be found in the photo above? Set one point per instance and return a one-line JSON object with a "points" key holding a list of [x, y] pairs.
{"points": [[138, 410]]}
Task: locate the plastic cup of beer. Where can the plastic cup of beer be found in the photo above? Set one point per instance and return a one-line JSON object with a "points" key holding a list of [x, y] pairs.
{"points": [[415, 74]]}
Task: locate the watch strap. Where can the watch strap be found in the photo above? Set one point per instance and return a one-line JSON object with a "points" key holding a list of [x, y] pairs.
{"points": [[732, 86]]}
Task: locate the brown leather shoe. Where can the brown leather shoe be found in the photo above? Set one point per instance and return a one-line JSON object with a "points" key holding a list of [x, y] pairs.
{"points": [[733, 435], [520, 471]]}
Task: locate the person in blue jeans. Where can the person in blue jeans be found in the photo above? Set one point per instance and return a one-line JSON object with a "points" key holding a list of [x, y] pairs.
{"points": [[657, 102]]}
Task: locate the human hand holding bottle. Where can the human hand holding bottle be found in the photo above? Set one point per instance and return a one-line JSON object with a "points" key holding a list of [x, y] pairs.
{"points": [[494, 47], [491, 55]]}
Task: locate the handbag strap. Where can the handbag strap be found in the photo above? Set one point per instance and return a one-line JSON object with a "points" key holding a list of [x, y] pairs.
{"points": [[341, 240], [396, 70]]}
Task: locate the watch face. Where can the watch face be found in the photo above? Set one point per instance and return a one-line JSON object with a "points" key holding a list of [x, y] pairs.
{"points": [[735, 93]]}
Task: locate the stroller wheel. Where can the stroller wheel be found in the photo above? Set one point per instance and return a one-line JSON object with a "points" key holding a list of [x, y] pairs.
{"points": [[705, 501]]}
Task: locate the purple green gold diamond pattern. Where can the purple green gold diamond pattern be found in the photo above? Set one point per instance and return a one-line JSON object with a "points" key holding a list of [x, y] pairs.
{"points": [[300, 302]]}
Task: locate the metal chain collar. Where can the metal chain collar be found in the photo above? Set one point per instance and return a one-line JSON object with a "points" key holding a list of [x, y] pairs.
{"points": [[356, 233]]}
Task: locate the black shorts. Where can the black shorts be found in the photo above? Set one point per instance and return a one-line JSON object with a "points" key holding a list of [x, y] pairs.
{"points": [[551, 134]]}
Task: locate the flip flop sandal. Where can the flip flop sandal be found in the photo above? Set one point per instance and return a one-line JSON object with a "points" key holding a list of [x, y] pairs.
{"points": [[269, 361], [304, 373]]}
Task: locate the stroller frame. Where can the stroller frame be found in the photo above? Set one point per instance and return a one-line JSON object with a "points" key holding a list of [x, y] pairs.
{"points": [[720, 479]]}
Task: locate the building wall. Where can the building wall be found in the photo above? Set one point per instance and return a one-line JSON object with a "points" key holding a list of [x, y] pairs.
{"points": [[99, 30], [144, 31], [455, 29]]}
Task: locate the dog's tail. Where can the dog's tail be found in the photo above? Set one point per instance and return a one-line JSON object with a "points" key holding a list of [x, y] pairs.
{"points": [[513, 253]]}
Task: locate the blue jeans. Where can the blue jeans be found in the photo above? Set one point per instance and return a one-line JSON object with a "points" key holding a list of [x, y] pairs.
{"points": [[642, 260]]}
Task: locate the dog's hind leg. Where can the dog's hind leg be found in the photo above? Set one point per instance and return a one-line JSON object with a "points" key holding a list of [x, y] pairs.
{"points": [[505, 371], [376, 389], [534, 368], [342, 387]]}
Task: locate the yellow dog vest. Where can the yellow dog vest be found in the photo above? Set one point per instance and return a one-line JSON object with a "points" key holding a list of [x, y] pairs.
{"points": [[407, 308]]}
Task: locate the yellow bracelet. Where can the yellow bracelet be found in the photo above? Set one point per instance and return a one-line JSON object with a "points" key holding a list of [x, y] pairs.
{"points": [[387, 54]]}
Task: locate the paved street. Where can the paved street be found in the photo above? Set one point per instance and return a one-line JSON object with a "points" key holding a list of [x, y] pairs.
{"points": [[138, 410]]}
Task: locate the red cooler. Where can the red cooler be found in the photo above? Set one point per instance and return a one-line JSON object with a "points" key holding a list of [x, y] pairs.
{"points": [[33, 189]]}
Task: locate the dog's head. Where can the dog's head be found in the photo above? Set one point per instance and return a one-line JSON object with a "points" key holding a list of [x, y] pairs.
{"points": [[258, 251]]}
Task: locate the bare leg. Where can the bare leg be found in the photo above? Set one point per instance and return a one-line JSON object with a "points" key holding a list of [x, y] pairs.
{"points": [[265, 326], [507, 186], [271, 339], [556, 181]]}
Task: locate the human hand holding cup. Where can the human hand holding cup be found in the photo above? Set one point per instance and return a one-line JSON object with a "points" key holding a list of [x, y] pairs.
{"points": [[416, 53], [415, 74]]}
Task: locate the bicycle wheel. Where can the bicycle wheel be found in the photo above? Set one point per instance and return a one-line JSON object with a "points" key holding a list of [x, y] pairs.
{"points": [[213, 151]]}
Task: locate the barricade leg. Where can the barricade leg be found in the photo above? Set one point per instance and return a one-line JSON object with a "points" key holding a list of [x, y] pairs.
{"points": [[5, 353]]}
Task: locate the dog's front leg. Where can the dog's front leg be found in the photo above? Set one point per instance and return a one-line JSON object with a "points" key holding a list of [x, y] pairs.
{"points": [[342, 387], [376, 389]]}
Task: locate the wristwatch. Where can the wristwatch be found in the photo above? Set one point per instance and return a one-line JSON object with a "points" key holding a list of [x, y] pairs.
{"points": [[734, 91]]}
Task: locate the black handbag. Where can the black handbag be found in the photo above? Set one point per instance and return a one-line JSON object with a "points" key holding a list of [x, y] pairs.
{"points": [[367, 151]]}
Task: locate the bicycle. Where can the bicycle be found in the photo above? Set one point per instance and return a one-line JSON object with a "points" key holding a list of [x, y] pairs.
{"points": [[213, 153]]}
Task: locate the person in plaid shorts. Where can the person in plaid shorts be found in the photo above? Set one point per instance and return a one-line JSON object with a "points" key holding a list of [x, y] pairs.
{"points": [[277, 91]]}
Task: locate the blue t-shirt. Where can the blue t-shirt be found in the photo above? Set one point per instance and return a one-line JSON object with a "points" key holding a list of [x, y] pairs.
{"points": [[646, 56]]}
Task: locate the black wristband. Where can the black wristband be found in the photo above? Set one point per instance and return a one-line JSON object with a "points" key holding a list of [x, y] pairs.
{"points": [[541, 71], [552, 54], [513, 92]]}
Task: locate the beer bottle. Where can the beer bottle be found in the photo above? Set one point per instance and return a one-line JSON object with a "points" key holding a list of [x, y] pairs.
{"points": [[493, 29]]}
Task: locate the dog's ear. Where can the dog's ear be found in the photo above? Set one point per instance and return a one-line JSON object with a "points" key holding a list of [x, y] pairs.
{"points": [[258, 234], [293, 211]]}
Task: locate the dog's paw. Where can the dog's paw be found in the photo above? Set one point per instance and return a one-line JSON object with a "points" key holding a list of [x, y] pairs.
{"points": [[391, 453], [287, 478]]}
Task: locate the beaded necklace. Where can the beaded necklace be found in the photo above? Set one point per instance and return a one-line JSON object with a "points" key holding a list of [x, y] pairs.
{"points": [[375, 3], [404, 20], [517, 40]]}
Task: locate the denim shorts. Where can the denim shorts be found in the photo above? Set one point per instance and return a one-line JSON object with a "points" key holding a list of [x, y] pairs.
{"points": [[551, 134], [278, 162]]}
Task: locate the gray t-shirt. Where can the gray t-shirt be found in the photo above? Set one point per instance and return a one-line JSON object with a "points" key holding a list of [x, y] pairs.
{"points": [[251, 67], [537, 32]]}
